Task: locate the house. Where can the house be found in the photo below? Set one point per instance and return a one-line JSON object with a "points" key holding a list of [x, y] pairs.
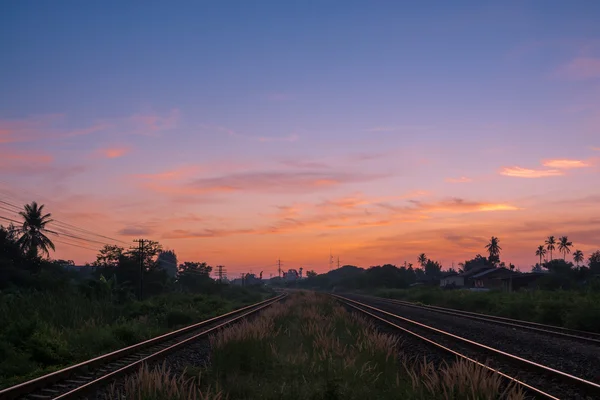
{"points": [[490, 278], [452, 280], [525, 281]]}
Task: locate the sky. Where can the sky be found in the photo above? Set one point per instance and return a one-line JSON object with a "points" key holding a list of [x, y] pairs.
{"points": [[240, 133]]}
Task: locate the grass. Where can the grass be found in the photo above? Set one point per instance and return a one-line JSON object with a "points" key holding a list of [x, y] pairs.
{"points": [[570, 309], [311, 348], [44, 331]]}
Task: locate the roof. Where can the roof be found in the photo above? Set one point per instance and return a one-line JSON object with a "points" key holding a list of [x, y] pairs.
{"points": [[476, 270], [486, 273]]}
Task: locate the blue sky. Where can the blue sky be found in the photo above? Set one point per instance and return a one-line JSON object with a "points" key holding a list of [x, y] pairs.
{"points": [[381, 98]]}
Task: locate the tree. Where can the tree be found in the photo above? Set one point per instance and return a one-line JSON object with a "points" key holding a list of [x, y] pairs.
{"points": [[550, 242], [194, 276], [578, 257], [422, 259], [33, 238], [432, 269], [540, 252], [167, 260], [493, 248], [109, 256], [149, 252], [564, 246], [594, 262], [311, 274]]}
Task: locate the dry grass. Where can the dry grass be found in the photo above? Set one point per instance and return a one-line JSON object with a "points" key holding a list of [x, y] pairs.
{"points": [[311, 348], [158, 383]]}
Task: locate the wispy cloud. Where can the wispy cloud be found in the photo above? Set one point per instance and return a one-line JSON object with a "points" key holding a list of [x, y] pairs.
{"points": [[135, 231], [581, 68], [453, 205], [462, 179], [519, 172], [154, 122], [183, 172], [565, 164], [43, 127], [114, 152]]}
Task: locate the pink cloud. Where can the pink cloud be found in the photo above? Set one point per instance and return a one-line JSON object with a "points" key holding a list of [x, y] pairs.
{"points": [[42, 127], [172, 175], [565, 164], [152, 123], [462, 179], [114, 152], [519, 172], [581, 68]]}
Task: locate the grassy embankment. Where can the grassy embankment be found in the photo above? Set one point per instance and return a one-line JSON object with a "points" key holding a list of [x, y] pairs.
{"points": [[311, 348], [44, 331], [571, 309]]}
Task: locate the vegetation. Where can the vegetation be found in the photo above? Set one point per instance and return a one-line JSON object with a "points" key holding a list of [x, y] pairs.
{"points": [[311, 348], [571, 309], [51, 317]]}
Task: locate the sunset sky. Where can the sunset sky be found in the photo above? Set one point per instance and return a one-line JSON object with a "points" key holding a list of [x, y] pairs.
{"points": [[238, 132]]}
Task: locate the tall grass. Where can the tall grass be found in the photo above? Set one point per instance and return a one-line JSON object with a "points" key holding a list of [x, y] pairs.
{"points": [[44, 331], [571, 309], [311, 348]]}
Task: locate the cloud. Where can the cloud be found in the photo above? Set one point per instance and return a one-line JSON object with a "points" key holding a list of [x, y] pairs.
{"points": [[153, 123], [595, 148], [267, 182], [462, 179], [565, 164], [453, 205], [581, 68], [135, 231], [519, 172], [114, 152]]}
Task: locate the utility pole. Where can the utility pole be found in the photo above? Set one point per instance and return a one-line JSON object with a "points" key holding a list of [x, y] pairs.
{"points": [[221, 273], [330, 260], [338, 262], [141, 254], [279, 267]]}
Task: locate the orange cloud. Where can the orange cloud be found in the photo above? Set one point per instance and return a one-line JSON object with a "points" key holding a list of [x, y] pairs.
{"points": [[172, 175], [519, 172], [114, 152], [581, 68], [457, 205], [565, 164], [462, 179]]}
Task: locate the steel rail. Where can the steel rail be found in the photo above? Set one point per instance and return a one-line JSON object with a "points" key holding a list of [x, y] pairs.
{"points": [[553, 330], [44, 381], [582, 383]]}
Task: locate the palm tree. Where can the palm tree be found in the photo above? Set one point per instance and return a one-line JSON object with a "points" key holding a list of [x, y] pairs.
{"points": [[33, 238], [550, 242], [541, 252], [564, 246], [422, 259], [578, 257], [493, 247]]}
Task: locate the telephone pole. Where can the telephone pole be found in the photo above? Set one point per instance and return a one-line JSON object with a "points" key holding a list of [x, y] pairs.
{"points": [[141, 242], [279, 266], [221, 273], [338, 262]]}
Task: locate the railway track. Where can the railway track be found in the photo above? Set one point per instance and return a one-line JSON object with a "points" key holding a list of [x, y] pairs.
{"points": [[558, 331], [81, 379], [537, 379]]}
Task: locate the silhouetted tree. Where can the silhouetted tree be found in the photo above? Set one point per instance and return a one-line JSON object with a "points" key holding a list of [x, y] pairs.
{"points": [[109, 256], [578, 257], [432, 269], [540, 252], [194, 276], [311, 274], [33, 238], [594, 262], [550, 243], [493, 248], [422, 259], [564, 246]]}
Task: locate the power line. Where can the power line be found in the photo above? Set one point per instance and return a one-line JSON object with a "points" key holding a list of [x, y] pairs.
{"points": [[75, 245], [58, 222]]}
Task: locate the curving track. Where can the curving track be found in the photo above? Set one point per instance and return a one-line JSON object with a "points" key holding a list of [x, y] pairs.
{"points": [[508, 353], [78, 380]]}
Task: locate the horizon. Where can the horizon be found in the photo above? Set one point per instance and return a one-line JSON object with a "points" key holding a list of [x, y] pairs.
{"points": [[239, 134]]}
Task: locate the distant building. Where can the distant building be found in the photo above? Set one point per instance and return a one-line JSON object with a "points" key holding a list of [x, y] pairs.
{"points": [[452, 280]]}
